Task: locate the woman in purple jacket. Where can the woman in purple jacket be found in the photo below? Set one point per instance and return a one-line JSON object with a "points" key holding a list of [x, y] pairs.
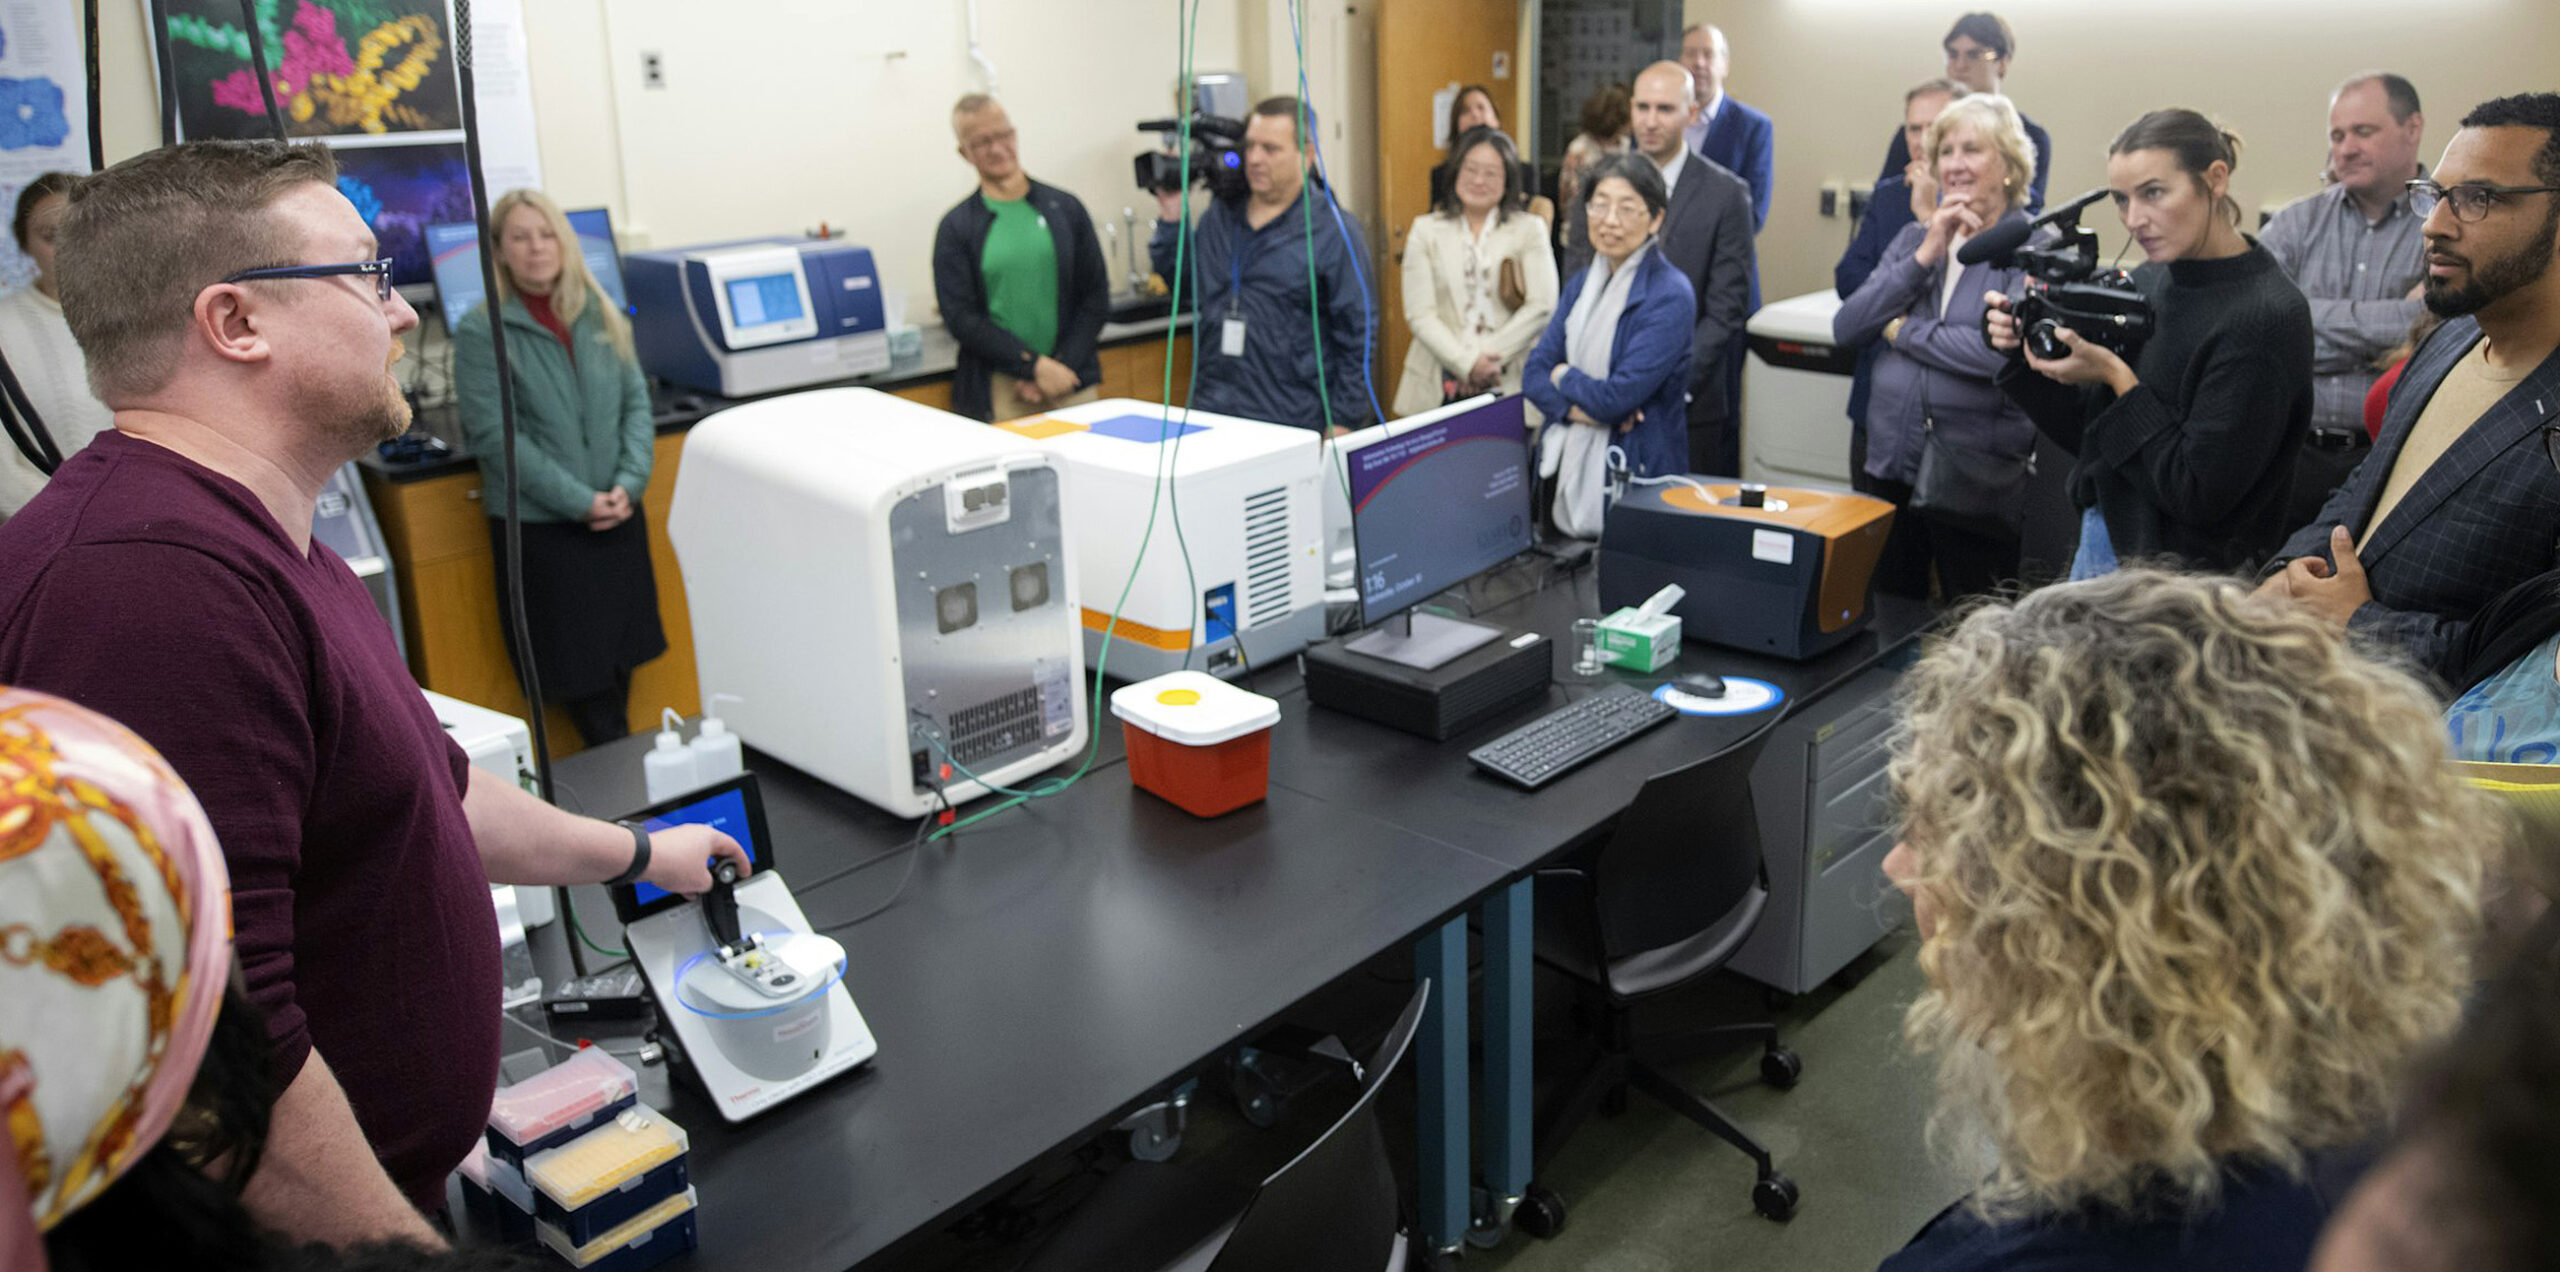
{"points": [[1935, 372]]}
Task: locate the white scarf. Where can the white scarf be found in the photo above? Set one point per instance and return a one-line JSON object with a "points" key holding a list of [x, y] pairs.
{"points": [[1577, 455]]}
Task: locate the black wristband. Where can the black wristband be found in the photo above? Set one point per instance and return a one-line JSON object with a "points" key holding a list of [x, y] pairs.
{"points": [[639, 855]]}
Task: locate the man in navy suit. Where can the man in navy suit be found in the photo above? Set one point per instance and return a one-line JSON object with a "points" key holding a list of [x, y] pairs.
{"points": [[1727, 129], [1742, 141], [1707, 234], [2455, 502]]}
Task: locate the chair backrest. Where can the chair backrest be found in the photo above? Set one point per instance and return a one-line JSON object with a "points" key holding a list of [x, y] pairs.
{"points": [[1684, 857], [1334, 1205]]}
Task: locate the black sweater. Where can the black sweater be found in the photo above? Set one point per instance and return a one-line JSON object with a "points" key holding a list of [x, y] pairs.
{"points": [[960, 289], [2196, 464]]}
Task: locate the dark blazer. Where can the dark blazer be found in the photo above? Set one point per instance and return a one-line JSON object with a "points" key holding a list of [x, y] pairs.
{"points": [[2263, 1221], [2483, 519], [1745, 143], [1706, 235], [1648, 367], [960, 288]]}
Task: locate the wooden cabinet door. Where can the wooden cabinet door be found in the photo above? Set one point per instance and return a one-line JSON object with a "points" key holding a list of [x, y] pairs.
{"points": [[1424, 46]]}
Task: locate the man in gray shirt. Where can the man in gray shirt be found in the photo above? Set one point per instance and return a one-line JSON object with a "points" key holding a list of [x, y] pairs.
{"points": [[2356, 252]]}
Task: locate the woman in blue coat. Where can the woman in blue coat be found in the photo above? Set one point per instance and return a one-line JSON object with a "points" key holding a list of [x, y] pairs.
{"points": [[1612, 371]]}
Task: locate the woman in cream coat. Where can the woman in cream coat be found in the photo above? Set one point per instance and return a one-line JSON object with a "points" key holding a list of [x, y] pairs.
{"points": [[1466, 339]]}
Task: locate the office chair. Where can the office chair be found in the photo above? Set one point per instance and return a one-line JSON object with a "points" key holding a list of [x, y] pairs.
{"points": [[1333, 1206], [1669, 897]]}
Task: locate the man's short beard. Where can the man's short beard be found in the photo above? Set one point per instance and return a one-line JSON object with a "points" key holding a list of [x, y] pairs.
{"points": [[2494, 280], [363, 425]]}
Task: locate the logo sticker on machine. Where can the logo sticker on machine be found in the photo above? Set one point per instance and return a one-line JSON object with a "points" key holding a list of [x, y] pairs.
{"points": [[1773, 545], [1057, 696]]}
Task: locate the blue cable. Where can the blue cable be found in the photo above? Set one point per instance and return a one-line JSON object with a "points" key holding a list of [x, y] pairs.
{"points": [[1368, 307]]}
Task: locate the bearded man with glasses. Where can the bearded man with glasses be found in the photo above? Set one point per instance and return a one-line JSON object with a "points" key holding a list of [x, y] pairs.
{"points": [[2453, 505], [236, 315]]}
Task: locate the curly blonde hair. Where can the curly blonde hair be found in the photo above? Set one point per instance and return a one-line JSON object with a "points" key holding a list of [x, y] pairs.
{"points": [[2203, 885]]}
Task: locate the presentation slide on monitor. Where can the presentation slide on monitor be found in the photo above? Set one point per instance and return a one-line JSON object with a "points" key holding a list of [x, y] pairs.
{"points": [[1440, 504]]}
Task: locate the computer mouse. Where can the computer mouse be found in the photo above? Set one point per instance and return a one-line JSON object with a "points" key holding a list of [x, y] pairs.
{"points": [[1700, 684]]}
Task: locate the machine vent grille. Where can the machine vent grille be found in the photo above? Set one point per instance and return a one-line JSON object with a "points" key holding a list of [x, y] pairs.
{"points": [[1267, 596], [996, 725]]}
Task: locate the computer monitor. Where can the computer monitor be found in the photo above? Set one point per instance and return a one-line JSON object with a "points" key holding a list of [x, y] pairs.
{"points": [[1433, 504], [455, 249], [734, 807]]}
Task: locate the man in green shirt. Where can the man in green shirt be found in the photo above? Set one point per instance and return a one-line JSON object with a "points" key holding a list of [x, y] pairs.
{"points": [[1019, 275]]}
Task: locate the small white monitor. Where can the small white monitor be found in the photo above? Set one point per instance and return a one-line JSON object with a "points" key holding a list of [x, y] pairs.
{"points": [[762, 294]]}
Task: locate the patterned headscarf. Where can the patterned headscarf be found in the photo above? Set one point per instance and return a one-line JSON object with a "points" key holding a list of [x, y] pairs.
{"points": [[115, 946]]}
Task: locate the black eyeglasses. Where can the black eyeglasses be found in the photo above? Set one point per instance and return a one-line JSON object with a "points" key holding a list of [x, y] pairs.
{"points": [[2471, 200], [380, 270], [1959, 56]]}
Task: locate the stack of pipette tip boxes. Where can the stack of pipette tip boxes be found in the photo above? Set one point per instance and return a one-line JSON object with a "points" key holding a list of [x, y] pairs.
{"points": [[572, 1157]]}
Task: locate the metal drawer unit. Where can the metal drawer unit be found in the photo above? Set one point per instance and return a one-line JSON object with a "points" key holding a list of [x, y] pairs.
{"points": [[1826, 823]]}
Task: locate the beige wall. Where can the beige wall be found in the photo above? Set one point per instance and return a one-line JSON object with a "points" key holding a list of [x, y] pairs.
{"points": [[1831, 73], [780, 114]]}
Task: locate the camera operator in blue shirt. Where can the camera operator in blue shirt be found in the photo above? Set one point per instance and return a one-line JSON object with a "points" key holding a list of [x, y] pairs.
{"points": [[1248, 264]]}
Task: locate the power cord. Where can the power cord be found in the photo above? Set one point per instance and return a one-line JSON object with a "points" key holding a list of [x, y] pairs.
{"points": [[912, 851]]}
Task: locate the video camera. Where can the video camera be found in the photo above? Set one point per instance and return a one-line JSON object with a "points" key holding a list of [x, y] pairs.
{"points": [[1216, 158], [2064, 286]]}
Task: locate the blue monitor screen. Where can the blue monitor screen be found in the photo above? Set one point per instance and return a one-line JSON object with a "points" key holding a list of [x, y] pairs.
{"points": [[725, 811], [763, 299], [1439, 504], [455, 251]]}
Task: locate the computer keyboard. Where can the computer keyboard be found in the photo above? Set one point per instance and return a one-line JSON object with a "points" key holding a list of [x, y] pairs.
{"points": [[1548, 747]]}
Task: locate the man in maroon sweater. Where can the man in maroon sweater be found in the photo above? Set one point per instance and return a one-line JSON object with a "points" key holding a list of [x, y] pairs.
{"points": [[235, 316]]}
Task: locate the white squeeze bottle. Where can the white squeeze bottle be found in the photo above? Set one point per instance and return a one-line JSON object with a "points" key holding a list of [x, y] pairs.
{"points": [[718, 754], [668, 767]]}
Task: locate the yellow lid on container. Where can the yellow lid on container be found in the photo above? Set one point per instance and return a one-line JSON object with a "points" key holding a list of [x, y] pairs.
{"points": [[1194, 708], [638, 1140], [632, 1232]]}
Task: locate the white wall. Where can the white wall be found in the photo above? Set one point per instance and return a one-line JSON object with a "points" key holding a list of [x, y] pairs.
{"points": [[787, 113], [1831, 73]]}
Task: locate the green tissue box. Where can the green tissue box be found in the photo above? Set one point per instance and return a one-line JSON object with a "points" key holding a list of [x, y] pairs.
{"points": [[1637, 641]]}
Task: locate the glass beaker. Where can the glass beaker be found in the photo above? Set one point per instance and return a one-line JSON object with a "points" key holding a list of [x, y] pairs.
{"points": [[1586, 648]]}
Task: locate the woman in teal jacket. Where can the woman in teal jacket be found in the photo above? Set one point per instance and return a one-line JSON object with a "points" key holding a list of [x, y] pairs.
{"points": [[584, 442]]}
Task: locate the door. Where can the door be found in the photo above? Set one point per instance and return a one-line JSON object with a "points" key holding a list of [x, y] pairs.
{"points": [[1425, 48]]}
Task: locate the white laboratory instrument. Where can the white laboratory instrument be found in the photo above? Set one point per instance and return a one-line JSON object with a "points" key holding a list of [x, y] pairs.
{"points": [[1243, 568], [886, 587]]}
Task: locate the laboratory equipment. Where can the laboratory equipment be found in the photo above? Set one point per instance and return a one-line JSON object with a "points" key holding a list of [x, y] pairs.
{"points": [[1795, 393], [758, 316], [1777, 570], [887, 589], [755, 995], [1238, 583]]}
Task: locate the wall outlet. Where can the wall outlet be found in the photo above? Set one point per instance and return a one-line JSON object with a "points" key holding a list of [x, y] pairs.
{"points": [[653, 70], [1832, 193], [1860, 196]]}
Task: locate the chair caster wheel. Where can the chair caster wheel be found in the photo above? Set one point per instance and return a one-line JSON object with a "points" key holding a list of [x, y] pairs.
{"points": [[1781, 1068], [1775, 1197], [1540, 1212]]}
